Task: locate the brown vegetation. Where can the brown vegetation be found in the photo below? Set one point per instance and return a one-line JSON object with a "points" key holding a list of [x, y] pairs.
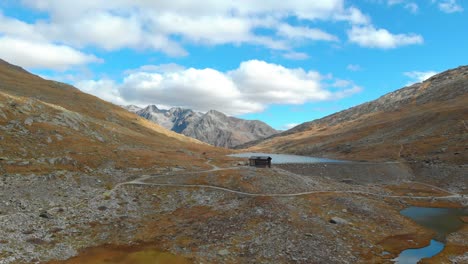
{"points": [[45, 120], [424, 122]]}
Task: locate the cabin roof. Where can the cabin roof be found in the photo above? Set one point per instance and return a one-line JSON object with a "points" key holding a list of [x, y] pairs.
{"points": [[260, 158]]}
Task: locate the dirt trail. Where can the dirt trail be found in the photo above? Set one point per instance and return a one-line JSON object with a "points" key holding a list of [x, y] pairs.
{"points": [[142, 179], [289, 194]]}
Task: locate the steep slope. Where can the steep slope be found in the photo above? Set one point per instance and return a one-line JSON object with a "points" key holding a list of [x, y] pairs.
{"points": [[45, 125], [425, 121], [212, 127]]}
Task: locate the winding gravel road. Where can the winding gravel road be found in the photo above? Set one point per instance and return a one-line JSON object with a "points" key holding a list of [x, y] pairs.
{"points": [[141, 181]]}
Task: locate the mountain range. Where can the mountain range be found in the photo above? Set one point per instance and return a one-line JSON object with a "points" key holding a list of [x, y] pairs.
{"points": [[424, 121], [212, 127], [85, 181]]}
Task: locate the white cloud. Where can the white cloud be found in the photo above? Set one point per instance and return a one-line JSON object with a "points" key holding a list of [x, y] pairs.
{"points": [[289, 126], [419, 76], [252, 87], [198, 89], [449, 6], [353, 15], [16, 28], [162, 68], [411, 6], [292, 55], [32, 54], [23, 44], [167, 26], [105, 89], [101, 29], [209, 30], [274, 84], [354, 67], [164, 25], [291, 32], [371, 37]]}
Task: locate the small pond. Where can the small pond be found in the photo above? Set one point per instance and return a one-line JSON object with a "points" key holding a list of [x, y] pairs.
{"points": [[285, 158], [442, 220], [138, 254]]}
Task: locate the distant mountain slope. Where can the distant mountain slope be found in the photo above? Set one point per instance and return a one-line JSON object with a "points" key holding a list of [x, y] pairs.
{"points": [[47, 125], [212, 127], [425, 121]]}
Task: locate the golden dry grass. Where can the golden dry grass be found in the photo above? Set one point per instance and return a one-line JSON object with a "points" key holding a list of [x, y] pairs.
{"points": [[104, 134], [414, 132]]}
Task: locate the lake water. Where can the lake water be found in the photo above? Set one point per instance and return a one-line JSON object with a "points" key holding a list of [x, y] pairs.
{"points": [[284, 158], [442, 220]]}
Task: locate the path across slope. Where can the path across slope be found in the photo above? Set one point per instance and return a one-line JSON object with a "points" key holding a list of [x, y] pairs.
{"points": [[141, 181]]}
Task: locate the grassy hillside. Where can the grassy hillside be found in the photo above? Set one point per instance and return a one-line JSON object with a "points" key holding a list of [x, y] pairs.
{"points": [[47, 125], [427, 121]]}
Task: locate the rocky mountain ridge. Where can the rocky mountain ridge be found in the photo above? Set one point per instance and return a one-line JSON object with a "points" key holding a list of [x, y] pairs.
{"points": [[440, 87], [212, 127], [424, 121]]}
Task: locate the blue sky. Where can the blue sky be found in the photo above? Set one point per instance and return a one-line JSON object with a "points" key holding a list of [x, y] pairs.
{"points": [[282, 62]]}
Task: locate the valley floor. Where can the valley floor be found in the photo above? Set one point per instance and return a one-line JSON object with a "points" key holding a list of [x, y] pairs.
{"points": [[230, 213]]}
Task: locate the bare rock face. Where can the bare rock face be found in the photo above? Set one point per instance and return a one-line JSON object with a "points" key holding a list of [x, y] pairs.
{"points": [[212, 127]]}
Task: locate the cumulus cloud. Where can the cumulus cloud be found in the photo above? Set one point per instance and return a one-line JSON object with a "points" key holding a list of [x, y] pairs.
{"points": [[16, 28], [449, 6], [156, 24], [271, 83], [23, 44], [250, 88], [166, 26], [371, 37], [42, 55], [161, 25], [199, 89], [419, 76]]}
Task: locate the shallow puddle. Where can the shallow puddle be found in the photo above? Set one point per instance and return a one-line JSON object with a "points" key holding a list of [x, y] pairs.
{"points": [[124, 255], [415, 255]]}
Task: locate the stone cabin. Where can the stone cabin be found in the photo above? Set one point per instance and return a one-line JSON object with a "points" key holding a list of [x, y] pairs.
{"points": [[260, 161]]}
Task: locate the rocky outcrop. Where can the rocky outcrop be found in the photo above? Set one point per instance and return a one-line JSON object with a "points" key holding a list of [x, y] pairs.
{"points": [[212, 127]]}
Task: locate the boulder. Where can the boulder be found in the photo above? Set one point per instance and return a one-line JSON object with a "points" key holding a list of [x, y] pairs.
{"points": [[45, 215], [338, 221]]}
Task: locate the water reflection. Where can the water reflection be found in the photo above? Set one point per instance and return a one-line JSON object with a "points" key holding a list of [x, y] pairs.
{"points": [[442, 220], [285, 158]]}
